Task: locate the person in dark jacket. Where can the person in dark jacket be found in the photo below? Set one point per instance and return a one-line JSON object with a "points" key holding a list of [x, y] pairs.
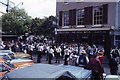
{"points": [[96, 67], [113, 66], [83, 59]]}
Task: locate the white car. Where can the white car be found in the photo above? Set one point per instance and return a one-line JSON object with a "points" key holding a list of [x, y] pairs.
{"points": [[112, 77]]}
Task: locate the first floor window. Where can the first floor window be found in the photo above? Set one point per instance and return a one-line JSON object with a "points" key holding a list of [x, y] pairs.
{"points": [[98, 15], [117, 40], [66, 18], [80, 17]]}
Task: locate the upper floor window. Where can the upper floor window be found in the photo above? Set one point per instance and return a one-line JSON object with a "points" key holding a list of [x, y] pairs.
{"points": [[80, 17], [66, 18], [98, 15]]}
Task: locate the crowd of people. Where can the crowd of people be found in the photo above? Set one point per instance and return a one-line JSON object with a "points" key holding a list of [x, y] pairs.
{"points": [[83, 55]]}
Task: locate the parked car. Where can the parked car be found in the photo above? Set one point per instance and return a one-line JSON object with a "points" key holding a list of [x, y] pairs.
{"points": [[22, 55], [49, 72], [112, 77], [7, 56], [15, 55], [6, 51], [5, 67], [10, 66]]}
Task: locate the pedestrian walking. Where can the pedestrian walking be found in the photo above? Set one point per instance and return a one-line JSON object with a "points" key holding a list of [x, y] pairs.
{"points": [[58, 54], [114, 53], [51, 55], [66, 56], [101, 56], [47, 52], [113, 66], [31, 47], [83, 59], [62, 48], [96, 67], [40, 51]]}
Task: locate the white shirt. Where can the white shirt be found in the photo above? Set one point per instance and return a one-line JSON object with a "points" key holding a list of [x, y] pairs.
{"points": [[67, 51], [31, 47], [40, 48], [58, 50], [51, 51]]}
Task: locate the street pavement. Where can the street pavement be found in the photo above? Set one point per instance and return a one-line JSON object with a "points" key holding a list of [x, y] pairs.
{"points": [[43, 60]]}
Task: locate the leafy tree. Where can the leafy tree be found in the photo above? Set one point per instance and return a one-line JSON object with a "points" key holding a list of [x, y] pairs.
{"points": [[43, 26], [16, 21], [47, 27], [36, 24]]}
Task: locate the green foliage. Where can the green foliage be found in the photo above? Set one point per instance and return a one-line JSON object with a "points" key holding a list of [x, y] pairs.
{"points": [[44, 26], [16, 21]]}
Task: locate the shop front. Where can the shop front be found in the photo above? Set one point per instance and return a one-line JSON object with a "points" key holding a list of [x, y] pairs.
{"points": [[98, 37]]}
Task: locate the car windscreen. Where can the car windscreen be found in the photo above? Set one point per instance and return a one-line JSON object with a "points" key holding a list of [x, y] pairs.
{"points": [[11, 56]]}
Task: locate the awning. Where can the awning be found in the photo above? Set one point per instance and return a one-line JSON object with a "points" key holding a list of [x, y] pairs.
{"points": [[82, 29]]}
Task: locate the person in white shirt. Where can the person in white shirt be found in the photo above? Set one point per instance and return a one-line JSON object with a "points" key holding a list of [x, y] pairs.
{"points": [[51, 55], [2, 46], [67, 53], [31, 47], [47, 52], [58, 54], [40, 51]]}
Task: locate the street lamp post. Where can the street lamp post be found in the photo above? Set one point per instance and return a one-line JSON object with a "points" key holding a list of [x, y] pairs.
{"points": [[19, 4], [7, 9], [8, 5]]}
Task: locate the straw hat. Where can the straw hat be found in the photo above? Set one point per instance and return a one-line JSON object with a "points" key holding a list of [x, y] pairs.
{"points": [[100, 52]]}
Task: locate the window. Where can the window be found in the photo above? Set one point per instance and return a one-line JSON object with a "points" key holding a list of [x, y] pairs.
{"points": [[80, 17], [117, 37], [98, 15], [117, 40], [6, 57], [66, 18]]}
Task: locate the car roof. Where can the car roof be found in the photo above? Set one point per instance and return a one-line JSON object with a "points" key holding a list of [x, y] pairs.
{"points": [[6, 51], [20, 60], [77, 71], [112, 77], [44, 71], [1, 54]]}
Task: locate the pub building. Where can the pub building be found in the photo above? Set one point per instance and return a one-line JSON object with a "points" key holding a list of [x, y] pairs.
{"points": [[89, 22]]}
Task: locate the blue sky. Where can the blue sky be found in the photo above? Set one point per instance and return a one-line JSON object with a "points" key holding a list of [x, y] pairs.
{"points": [[35, 8]]}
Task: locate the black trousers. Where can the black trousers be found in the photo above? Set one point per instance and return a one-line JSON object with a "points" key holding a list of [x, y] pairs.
{"points": [[97, 76], [50, 58], [113, 72], [31, 52], [58, 57], [39, 57], [65, 60]]}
